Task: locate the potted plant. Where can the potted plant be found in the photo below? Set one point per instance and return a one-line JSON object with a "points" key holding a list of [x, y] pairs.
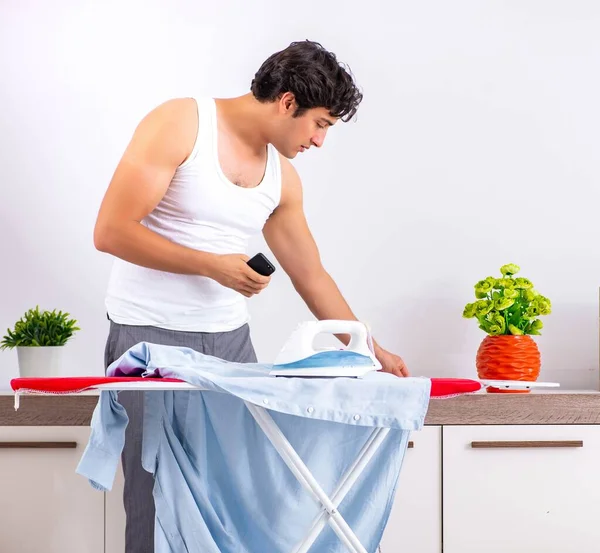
{"points": [[38, 337], [508, 310]]}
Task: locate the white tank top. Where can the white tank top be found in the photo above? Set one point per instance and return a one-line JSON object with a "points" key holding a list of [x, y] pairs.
{"points": [[204, 210]]}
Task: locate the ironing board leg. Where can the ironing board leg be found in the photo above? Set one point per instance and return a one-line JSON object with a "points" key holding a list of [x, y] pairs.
{"points": [[348, 480], [304, 476]]}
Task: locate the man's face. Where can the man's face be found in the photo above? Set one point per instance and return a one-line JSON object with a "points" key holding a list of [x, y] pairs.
{"points": [[295, 135]]}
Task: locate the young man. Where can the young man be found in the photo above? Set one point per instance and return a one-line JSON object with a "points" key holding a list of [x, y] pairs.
{"points": [[198, 178]]}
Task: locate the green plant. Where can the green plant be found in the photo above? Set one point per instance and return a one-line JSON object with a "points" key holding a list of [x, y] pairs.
{"points": [[40, 328], [508, 305]]}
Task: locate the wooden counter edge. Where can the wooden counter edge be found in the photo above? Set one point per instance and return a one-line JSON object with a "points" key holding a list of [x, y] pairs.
{"points": [[567, 408], [556, 408], [70, 410]]}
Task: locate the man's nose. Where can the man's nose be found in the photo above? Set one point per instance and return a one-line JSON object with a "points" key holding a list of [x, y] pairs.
{"points": [[318, 140]]}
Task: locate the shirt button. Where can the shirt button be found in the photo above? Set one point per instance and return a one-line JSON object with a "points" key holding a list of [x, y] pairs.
{"points": [[356, 417], [265, 401], [310, 409]]}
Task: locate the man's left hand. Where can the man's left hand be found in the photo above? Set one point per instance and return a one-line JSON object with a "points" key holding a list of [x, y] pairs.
{"points": [[391, 363]]}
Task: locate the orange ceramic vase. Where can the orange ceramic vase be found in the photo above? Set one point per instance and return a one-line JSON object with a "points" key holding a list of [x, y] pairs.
{"points": [[508, 357]]}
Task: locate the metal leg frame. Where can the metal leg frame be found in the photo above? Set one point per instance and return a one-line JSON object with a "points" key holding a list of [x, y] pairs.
{"points": [[329, 515]]}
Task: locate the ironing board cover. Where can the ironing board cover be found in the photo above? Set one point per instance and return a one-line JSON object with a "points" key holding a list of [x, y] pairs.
{"points": [[440, 387]]}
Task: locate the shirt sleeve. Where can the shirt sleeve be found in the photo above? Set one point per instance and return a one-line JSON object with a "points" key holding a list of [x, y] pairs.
{"points": [[103, 451]]}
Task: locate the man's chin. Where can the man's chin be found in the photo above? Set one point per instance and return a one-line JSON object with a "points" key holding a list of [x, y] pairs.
{"points": [[288, 154]]}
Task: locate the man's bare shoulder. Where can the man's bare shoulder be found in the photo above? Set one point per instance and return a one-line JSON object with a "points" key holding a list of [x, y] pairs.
{"points": [[180, 112], [172, 127]]}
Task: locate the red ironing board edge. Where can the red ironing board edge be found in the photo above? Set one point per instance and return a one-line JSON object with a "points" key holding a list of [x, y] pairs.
{"points": [[74, 384], [451, 387], [440, 387]]}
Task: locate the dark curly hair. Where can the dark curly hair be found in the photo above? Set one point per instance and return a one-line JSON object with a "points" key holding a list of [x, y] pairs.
{"points": [[313, 75]]}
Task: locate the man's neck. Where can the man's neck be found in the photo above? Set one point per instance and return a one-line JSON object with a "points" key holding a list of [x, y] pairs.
{"points": [[247, 118]]}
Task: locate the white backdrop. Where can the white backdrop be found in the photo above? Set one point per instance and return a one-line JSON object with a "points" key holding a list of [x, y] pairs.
{"points": [[476, 145]]}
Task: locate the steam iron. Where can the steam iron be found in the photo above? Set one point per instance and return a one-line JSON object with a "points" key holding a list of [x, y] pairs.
{"points": [[300, 358]]}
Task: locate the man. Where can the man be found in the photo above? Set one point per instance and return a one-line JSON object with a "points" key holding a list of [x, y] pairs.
{"points": [[198, 178]]}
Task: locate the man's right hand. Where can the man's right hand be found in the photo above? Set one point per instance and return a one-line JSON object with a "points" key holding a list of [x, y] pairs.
{"points": [[232, 271]]}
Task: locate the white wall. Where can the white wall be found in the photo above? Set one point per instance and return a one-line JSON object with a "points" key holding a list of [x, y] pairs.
{"points": [[476, 145]]}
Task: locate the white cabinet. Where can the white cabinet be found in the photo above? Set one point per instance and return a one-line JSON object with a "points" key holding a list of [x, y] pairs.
{"points": [[523, 489], [492, 489], [44, 505], [415, 523]]}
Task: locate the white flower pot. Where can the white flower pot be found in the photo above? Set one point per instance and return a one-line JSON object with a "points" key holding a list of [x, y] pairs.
{"points": [[39, 361]]}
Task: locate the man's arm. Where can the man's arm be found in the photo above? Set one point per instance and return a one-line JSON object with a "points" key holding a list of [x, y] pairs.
{"points": [[289, 238], [161, 142]]}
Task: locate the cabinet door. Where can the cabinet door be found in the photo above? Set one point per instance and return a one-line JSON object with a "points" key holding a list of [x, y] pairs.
{"points": [[44, 505], [523, 489], [415, 522]]}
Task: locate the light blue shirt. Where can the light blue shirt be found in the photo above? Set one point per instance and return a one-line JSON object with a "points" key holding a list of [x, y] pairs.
{"points": [[220, 486]]}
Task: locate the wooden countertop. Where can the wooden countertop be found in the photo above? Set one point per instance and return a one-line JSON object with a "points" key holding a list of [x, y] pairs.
{"points": [[565, 407], [66, 410], [533, 408]]}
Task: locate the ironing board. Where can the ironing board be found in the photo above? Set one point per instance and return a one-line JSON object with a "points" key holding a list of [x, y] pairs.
{"points": [[440, 388]]}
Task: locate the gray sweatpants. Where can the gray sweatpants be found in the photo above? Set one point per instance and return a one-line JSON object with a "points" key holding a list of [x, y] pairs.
{"points": [[137, 496]]}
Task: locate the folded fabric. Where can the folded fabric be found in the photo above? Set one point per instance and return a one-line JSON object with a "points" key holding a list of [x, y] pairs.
{"points": [[220, 485]]}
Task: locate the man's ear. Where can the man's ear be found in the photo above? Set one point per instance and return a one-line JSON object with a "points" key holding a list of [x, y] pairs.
{"points": [[287, 103]]}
